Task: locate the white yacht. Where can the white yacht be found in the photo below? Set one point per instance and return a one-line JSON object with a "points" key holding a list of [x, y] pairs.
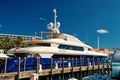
{"points": [[2, 54], [56, 44]]}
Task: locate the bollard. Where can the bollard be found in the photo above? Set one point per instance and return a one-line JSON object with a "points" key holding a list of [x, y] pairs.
{"points": [[40, 67], [56, 65], [34, 76]]}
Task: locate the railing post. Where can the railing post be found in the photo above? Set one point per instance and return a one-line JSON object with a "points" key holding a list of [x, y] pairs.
{"points": [[69, 65], [51, 68], [63, 68], [24, 63], [76, 62], [5, 65], [103, 66], [98, 65], [60, 62], [72, 67], [93, 62], [80, 67], [19, 61], [37, 64], [87, 66], [82, 61]]}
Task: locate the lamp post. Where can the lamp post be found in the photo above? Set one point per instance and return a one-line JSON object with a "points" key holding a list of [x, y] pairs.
{"points": [[98, 43], [101, 31]]}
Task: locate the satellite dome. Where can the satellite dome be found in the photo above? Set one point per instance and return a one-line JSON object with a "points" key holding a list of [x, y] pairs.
{"points": [[58, 24], [50, 26], [116, 57]]}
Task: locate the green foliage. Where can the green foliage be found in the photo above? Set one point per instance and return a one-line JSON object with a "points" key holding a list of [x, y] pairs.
{"points": [[19, 42], [7, 43]]}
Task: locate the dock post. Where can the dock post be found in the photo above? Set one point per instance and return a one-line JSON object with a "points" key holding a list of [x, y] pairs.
{"points": [[80, 67], [103, 66], [72, 67], [5, 65], [69, 65], [63, 68], [87, 66], [37, 64], [111, 66], [24, 63], [51, 66], [19, 61], [60, 62], [76, 62], [107, 66], [98, 65], [93, 62]]}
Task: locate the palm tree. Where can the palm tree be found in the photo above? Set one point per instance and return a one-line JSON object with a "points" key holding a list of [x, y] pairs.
{"points": [[19, 42], [6, 43]]}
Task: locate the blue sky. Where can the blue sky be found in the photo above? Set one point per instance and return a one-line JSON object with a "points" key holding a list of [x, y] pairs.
{"points": [[81, 18]]}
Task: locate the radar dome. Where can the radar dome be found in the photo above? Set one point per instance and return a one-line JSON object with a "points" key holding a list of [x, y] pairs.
{"points": [[116, 57], [50, 26], [58, 24]]}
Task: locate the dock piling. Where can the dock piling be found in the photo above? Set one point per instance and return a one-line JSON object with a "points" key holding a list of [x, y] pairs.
{"points": [[5, 65], [63, 68], [51, 69]]}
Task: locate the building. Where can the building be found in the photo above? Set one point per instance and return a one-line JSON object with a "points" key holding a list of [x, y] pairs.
{"points": [[102, 50], [25, 38]]}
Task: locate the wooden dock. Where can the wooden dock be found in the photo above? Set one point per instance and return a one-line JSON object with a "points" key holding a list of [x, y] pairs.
{"points": [[28, 74], [49, 73]]}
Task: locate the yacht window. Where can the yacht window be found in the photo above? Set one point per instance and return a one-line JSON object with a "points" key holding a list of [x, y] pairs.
{"points": [[42, 44], [61, 46], [39, 44], [89, 49]]}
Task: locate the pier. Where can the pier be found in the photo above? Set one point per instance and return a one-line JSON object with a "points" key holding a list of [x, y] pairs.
{"points": [[58, 69]]}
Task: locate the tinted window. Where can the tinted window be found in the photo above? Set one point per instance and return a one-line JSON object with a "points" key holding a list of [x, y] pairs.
{"points": [[61, 46], [39, 44]]}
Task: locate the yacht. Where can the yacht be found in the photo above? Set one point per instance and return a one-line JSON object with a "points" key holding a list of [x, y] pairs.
{"points": [[56, 45], [2, 54]]}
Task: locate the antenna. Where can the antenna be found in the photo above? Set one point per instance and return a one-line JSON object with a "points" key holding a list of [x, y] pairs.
{"points": [[54, 27], [55, 16]]}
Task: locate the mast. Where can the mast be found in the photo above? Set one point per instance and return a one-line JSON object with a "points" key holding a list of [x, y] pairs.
{"points": [[55, 16]]}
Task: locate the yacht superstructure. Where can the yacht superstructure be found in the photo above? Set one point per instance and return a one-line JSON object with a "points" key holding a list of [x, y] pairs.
{"points": [[56, 44]]}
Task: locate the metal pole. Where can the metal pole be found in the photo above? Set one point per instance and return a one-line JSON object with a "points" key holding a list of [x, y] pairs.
{"points": [[98, 43]]}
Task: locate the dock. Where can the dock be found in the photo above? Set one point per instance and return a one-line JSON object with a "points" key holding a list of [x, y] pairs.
{"points": [[60, 72]]}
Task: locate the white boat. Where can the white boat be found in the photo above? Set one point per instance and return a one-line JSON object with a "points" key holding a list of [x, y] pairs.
{"points": [[2, 54], [56, 44]]}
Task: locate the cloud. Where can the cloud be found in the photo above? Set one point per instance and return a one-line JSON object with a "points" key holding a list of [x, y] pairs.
{"points": [[43, 19], [102, 31]]}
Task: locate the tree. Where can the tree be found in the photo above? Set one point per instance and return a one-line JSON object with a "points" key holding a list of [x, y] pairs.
{"points": [[6, 43], [19, 42]]}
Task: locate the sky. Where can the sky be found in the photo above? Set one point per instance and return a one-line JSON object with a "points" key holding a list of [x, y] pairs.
{"points": [[80, 18]]}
